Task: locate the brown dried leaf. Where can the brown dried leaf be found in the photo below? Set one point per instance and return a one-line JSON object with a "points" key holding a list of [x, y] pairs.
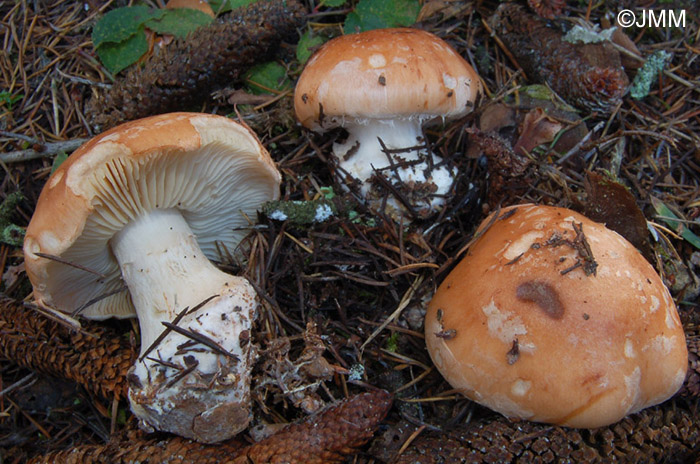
{"points": [[610, 203], [447, 8], [537, 128], [200, 5], [495, 117], [241, 97]]}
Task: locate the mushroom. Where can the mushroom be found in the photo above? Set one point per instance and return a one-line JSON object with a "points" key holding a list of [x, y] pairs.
{"points": [[381, 86], [146, 205], [554, 318]]}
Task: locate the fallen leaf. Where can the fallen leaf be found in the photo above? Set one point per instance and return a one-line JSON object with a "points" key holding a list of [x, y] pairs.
{"points": [[241, 97], [537, 128], [495, 117], [610, 203], [446, 8], [10, 276], [200, 5]]}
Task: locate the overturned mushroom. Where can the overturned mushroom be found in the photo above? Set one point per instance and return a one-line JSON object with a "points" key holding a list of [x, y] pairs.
{"points": [[147, 204], [555, 318], [381, 86]]}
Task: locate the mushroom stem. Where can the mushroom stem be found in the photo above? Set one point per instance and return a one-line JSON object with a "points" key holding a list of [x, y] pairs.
{"points": [[194, 366], [412, 169]]}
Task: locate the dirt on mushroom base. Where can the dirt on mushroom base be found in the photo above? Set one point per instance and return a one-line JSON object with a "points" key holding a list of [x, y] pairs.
{"points": [[350, 274]]}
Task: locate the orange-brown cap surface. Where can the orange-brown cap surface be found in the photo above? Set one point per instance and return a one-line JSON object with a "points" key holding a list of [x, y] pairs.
{"points": [[554, 318], [384, 74], [212, 169]]}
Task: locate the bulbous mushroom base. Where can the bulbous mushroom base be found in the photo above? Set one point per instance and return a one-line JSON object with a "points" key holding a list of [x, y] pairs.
{"points": [[196, 381], [195, 321]]}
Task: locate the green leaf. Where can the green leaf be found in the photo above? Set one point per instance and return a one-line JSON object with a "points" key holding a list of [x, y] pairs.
{"points": [[379, 14], [179, 22], [306, 43], [117, 56], [668, 216], [271, 75], [121, 24], [58, 160], [332, 3]]}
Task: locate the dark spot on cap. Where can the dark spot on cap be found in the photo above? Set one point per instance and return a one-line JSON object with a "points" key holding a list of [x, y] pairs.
{"points": [[514, 353], [305, 98], [586, 316], [543, 295], [382, 80], [446, 334], [450, 93]]}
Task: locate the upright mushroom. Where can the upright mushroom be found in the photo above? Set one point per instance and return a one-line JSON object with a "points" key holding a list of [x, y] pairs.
{"points": [[381, 86], [147, 204], [554, 318]]}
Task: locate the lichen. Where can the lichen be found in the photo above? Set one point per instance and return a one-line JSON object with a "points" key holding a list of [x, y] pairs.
{"points": [[651, 69], [579, 34]]}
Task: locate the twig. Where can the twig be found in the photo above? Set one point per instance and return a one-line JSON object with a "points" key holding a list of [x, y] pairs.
{"points": [[46, 150], [27, 380]]}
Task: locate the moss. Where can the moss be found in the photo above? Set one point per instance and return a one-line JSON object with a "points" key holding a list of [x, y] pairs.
{"points": [[301, 212], [10, 233]]}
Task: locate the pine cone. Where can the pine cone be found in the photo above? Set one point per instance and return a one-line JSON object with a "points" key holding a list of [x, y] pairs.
{"points": [[589, 76], [186, 71], [95, 357], [325, 438], [661, 434], [691, 386]]}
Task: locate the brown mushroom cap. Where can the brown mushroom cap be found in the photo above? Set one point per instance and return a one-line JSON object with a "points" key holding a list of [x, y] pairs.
{"points": [[521, 328], [210, 168], [384, 74]]}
